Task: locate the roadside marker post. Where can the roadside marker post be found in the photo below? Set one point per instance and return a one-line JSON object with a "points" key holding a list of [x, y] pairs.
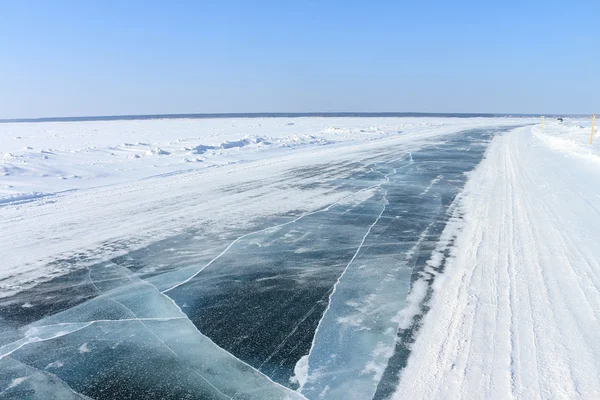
{"points": [[592, 133]]}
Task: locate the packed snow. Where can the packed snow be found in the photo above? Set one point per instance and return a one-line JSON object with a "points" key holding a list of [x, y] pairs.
{"points": [[516, 311]]}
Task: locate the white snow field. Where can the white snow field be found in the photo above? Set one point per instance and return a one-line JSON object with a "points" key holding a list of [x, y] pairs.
{"points": [[516, 312], [49, 157], [317, 258]]}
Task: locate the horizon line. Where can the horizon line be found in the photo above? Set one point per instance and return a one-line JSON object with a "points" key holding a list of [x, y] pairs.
{"points": [[275, 115]]}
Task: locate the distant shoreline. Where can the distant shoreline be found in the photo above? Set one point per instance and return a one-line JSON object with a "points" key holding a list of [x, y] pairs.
{"points": [[269, 115]]}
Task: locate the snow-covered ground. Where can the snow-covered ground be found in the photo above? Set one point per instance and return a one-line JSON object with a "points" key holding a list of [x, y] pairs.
{"points": [[50, 157], [516, 312]]}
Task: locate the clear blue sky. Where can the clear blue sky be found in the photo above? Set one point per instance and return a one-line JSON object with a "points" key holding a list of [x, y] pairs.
{"points": [[75, 58]]}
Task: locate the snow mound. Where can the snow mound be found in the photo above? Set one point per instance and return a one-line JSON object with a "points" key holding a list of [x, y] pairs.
{"points": [[571, 137]]}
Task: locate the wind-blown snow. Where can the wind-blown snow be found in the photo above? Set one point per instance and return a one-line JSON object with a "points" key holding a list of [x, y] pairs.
{"points": [[50, 157], [355, 339], [516, 312], [38, 206]]}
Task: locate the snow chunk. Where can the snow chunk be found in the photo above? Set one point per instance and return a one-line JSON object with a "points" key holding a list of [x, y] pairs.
{"points": [[55, 364], [300, 372], [16, 382], [84, 348]]}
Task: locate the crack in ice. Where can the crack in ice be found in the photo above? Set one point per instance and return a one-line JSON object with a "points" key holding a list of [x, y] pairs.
{"points": [[82, 325], [385, 203], [167, 346], [35, 339], [327, 208]]}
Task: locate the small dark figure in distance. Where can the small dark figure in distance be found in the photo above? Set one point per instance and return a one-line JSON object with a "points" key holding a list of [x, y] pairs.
{"points": [[559, 119]]}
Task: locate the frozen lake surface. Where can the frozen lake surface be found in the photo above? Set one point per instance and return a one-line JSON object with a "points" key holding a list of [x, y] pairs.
{"points": [[302, 303]]}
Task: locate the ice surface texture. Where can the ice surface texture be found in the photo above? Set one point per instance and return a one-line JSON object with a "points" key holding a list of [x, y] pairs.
{"points": [[302, 300]]}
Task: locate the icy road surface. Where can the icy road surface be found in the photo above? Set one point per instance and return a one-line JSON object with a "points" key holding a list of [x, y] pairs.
{"points": [[367, 262]]}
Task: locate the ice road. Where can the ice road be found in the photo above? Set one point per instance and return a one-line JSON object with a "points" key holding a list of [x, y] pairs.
{"points": [[348, 258]]}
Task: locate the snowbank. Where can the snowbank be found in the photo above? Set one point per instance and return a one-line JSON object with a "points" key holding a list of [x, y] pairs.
{"points": [[515, 313], [571, 137]]}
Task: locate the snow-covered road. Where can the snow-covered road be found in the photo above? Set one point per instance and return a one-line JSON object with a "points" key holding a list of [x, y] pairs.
{"points": [[517, 312]]}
